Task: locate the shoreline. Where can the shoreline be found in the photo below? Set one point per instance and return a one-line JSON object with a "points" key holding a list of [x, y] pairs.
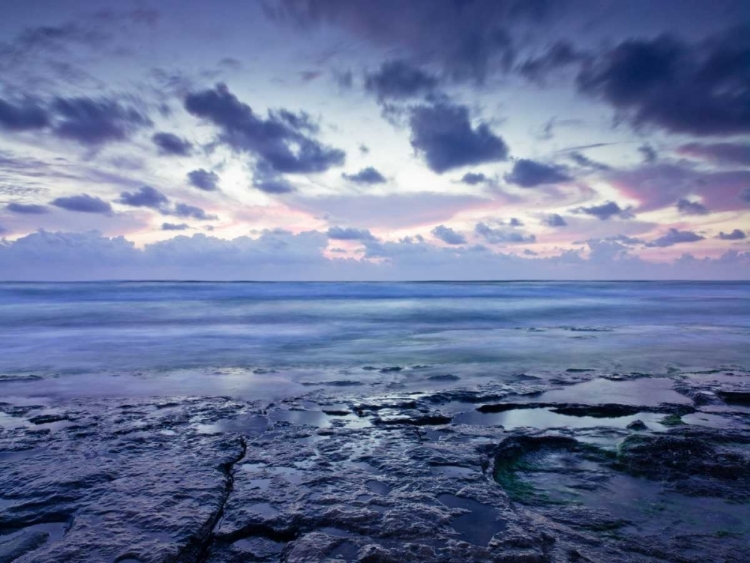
{"points": [[510, 472]]}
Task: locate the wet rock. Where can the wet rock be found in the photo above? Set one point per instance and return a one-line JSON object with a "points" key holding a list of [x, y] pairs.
{"points": [[16, 545], [735, 397], [637, 425], [326, 478], [47, 418]]}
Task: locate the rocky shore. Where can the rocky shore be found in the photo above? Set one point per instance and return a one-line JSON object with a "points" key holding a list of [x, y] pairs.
{"points": [[587, 468]]}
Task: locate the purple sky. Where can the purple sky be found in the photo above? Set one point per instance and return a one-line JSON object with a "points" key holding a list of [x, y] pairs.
{"points": [[351, 139]]}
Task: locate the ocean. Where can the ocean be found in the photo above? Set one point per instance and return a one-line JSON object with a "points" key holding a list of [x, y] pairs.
{"points": [[277, 339]]}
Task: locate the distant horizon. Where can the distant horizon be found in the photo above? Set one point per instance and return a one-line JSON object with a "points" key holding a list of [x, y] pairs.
{"points": [[374, 281]]}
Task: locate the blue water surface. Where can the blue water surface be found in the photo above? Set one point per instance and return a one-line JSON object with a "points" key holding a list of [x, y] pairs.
{"points": [[324, 330]]}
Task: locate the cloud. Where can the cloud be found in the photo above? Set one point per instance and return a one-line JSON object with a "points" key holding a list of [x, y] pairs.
{"points": [[83, 203], [745, 195], [673, 237], [606, 211], [185, 210], [624, 239], [582, 160], [145, 197], [514, 222], [348, 233], [152, 198], [473, 178], [24, 116], [174, 226], [391, 211], [301, 121], [558, 56], [529, 174], [94, 122], [467, 40], [268, 181], [281, 142], [203, 180], [27, 208], [687, 207], [734, 235], [659, 186], [719, 153], [280, 255], [367, 175], [171, 145], [554, 220], [648, 153], [448, 235], [499, 236], [399, 80], [443, 134], [700, 89]]}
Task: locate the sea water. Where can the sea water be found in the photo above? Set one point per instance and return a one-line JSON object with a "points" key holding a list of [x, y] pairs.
{"points": [[274, 339]]}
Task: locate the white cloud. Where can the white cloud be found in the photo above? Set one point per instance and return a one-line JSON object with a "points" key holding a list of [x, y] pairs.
{"points": [[281, 255]]}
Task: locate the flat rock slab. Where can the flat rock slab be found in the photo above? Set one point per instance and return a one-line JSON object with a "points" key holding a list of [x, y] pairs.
{"points": [[373, 480]]}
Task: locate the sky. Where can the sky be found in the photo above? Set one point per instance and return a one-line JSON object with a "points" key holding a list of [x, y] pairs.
{"points": [[389, 140]]}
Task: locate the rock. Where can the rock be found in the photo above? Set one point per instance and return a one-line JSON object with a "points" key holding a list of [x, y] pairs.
{"points": [[221, 481], [637, 425]]}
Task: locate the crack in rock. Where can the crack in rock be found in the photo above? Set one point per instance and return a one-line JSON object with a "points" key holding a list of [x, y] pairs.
{"points": [[197, 550]]}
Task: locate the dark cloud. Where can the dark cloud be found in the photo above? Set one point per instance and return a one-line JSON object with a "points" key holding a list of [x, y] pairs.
{"points": [[606, 211], [172, 145], [345, 79], [582, 160], [624, 239], [473, 178], [309, 75], [93, 122], [701, 89], [448, 235], [399, 80], [174, 226], [529, 174], [500, 236], [658, 186], [468, 40], [185, 210], [559, 56], [302, 121], [203, 180], [443, 134], [27, 208], [83, 203], [745, 195], [688, 207], [230, 63], [514, 222], [145, 197], [367, 175], [554, 220], [734, 235], [720, 153], [281, 144], [648, 153], [673, 237], [23, 116], [348, 233], [267, 180], [50, 39]]}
